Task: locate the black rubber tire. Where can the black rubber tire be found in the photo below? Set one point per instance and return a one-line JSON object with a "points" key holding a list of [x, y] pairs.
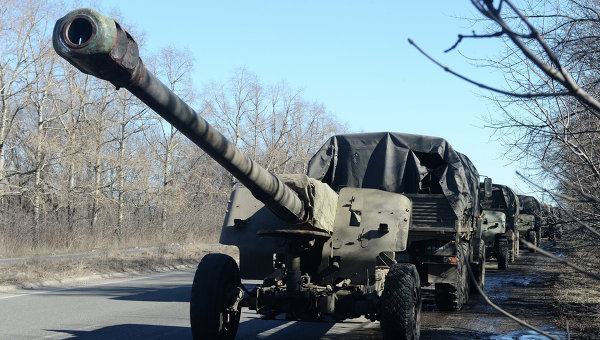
{"points": [[466, 251], [560, 232], [215, 288], [513, 246], [401, 303], [478, 267], [502, 253], [531, 238], [452, 296], [517, 245]]}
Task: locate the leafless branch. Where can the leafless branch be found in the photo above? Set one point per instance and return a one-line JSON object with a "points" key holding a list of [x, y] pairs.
{"points": [[561, 260], [484, 86]]}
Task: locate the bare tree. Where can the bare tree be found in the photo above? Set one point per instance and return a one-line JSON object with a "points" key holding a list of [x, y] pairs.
{"points": [[16, 26], [83, 165], [549, 102], [128, 125], [175, 66]]}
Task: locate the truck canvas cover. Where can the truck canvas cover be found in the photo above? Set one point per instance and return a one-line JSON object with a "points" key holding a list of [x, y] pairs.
{"points": [[503, 198], [400, 163], [530, 205]]}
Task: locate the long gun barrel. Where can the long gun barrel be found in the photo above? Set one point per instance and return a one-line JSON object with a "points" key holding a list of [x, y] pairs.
{"points": [[99, 46]]}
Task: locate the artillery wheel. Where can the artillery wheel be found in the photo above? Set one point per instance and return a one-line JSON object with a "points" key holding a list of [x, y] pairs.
{"points": [[478, 267], [214, 292], [503, 253], [401, 303], [452, 296], [532, 238]]}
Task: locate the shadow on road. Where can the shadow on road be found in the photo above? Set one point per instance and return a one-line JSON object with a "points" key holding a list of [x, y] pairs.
{"points": [[453, 334], [283, 329], [173, 294], [251, 329], [131, 331], [170, 293]]}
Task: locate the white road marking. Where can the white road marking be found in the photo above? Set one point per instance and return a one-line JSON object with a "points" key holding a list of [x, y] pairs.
{"points": [[274, 330]]}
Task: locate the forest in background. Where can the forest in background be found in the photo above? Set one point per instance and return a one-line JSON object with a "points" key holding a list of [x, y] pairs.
{"points": [[85, 166]]}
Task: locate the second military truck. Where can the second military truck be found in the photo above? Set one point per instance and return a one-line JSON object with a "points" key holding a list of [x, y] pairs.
{"points": [[499, 226], [530, 221]]}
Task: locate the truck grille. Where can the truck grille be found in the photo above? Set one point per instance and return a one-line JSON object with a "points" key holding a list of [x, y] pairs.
{"points": [[432, 211]]}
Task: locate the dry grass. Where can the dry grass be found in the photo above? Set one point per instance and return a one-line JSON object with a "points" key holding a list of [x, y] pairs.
{"points": [[40, 269], [578, 296]]}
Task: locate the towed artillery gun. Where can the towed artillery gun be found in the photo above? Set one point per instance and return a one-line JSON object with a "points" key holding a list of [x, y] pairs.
{"points": [[378, 216], [499, 225]]}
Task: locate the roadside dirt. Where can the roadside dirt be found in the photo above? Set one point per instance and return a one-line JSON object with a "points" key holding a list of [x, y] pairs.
{"points": [[577, 296], [48, 270], [526, 290]]}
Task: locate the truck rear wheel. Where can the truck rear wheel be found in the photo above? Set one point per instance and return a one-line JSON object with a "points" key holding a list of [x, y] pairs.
{"points": [[532, 238], [502, 253], [401, 303], [214, 291], [478, 268], [512, 248], [452, 296], [559, 233], [517, 245]]}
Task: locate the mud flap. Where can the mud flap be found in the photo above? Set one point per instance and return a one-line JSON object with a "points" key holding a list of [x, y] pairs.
{"points": [[441, 273]]}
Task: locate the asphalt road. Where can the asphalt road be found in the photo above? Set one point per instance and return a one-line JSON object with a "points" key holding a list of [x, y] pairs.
{"points": [[156, 307]]}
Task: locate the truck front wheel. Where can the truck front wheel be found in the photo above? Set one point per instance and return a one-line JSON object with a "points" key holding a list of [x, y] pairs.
{"points": [[214, 291], [503, 253], [401, 303]]}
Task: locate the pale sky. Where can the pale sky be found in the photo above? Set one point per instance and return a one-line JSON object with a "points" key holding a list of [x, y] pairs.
{"points": [[351, 56]]}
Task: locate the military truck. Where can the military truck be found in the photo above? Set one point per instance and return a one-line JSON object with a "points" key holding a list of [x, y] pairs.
{"points": [[442, 185], [378, 216], [546, 219], [555, 224], [499, 225], [530, 221]]}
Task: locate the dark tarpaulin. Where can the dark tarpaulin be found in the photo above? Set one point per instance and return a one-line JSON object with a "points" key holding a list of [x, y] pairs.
{"points": [[504, 198], [530, 205], [401, 163]]}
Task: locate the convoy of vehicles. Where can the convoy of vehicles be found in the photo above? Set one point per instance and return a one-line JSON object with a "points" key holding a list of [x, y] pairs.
{"points": [[376, 217]]}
